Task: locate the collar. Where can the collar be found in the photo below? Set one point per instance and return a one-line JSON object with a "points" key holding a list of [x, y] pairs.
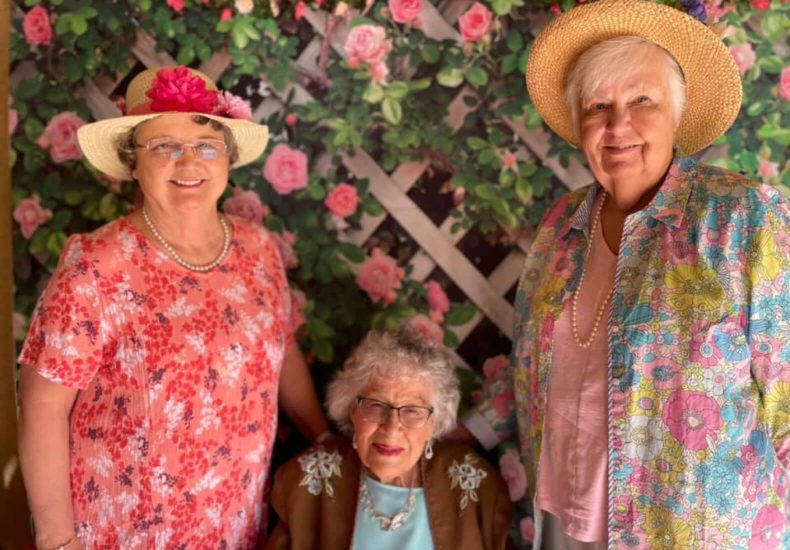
{"points": [[667, 206]]}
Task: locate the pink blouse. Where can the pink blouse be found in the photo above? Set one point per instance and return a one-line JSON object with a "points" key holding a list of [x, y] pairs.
{"points": [[572, 484]]}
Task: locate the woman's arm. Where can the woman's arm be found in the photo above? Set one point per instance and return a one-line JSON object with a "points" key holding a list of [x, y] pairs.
{"points": [[298, 397], [44, 455]]}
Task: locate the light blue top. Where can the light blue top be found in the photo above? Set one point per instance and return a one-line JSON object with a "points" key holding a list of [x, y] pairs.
{"points": [[389, 499]]}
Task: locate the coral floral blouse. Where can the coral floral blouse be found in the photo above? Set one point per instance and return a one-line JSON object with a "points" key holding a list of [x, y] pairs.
{"points": [[173, 426]]}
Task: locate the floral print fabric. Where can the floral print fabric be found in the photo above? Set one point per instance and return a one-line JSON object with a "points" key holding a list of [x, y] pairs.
{"points": [[172, 431], [699, 360]]}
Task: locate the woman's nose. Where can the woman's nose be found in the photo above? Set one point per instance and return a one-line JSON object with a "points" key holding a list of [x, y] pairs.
{"points": [[619, 119]]}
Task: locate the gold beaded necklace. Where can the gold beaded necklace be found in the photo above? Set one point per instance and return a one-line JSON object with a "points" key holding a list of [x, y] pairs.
{"points": [[602, 309]]}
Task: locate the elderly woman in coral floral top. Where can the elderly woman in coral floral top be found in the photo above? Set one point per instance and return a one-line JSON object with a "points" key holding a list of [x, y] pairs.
{"points": [[162, 346], [649, 390]]}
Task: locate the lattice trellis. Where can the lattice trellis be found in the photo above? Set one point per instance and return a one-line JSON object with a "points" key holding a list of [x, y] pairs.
{"points": [[438, 245]]}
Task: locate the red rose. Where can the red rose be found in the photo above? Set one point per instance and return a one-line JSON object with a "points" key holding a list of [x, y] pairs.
{"points": [[177, 89], [37, 26]]}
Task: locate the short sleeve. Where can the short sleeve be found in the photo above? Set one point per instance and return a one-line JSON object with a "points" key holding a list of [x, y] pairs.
{"points": [[66, 340]]}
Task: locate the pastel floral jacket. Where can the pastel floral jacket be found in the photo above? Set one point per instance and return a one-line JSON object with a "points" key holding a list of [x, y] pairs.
{"points": [[699, 357]]}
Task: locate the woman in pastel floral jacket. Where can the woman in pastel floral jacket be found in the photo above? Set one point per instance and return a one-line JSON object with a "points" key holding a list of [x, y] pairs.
{"points": [[393, 487], [649, 390]]}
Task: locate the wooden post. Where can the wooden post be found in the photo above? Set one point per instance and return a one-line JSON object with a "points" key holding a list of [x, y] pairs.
{"points": [[14, 520]]}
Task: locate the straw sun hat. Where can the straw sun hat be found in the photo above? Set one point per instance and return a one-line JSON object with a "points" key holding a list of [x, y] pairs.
{"points": [[713, 83], [169, 90]]}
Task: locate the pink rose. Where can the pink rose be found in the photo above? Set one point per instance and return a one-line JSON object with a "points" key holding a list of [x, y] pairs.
{"points": [[379, 72], [233, 106], [367, 44], [380, 277], [425, 328], [29, 215], [784, 83], [298, 301], [512, 471], [18, 322], [475, 23], [761, 5], [527, 528], [286, 169], [226, 14], [744, 56], [291, 119], [176, 89], [495, 366], [13, 120], [767, 529], [37, 26], [437, 300], [245, 204], [692, 418], [299, 10], [177, 5], [342, 201], [768, 169], [60, 137], [285, 243], [405, 11]]}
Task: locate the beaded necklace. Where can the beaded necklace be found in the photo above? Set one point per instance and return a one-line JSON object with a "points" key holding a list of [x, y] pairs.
{"points": [[602, 309], [202, 268], [387, 523]]}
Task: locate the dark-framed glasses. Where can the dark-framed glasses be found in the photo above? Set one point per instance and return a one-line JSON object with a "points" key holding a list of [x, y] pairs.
{"points": [[172, 149], [410, 416]]}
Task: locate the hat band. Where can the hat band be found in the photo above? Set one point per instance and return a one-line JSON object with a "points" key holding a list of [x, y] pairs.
{"points": [[145, 109]]}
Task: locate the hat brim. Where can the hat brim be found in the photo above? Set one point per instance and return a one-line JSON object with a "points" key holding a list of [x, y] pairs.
{"points": [[713, 83], [99, 140]]}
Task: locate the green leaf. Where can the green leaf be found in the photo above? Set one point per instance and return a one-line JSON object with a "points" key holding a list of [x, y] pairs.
{"points": [[450, 339], [316, 191], [397, 90], [63, 24], [60, 220], [323, 351], [771, 64], [514, 41], [374, 93], [391, 109], [450, 78], [78, 25], [485, 191], [460, 314], [756, 108], [28, 88], [509, 63], [352, 252], [524, 190], [477, 76], [501, 7], [430, 53], [476, 143], [239, 35], [39, 241], [773, 24], [421, 84], [108, 206], [55, 242]]}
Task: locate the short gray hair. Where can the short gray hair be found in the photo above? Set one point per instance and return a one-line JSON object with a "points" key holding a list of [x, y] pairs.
{"points": [[126, 144], [611, 60], [396, 355]]}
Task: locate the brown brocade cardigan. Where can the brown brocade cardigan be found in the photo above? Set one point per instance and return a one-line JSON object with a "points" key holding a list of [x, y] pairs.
{"points": [[320, 521]]}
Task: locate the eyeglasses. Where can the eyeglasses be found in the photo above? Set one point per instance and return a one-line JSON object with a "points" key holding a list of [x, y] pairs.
{"points": [[410, 416], [170, 149]]}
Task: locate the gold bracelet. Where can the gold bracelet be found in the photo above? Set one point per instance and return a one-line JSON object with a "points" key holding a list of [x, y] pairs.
{"points": [[66, 544]]}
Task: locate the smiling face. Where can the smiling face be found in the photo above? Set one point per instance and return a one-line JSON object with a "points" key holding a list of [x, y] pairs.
{"points": [[389, 450], [188, 182], [627, 133]]}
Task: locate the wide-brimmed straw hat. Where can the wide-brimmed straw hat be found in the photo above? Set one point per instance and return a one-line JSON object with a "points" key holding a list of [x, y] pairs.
{"points": [[170, 90], [713, 83]]}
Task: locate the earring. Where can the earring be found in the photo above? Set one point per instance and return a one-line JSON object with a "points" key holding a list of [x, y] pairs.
{"points": [[354, 441], [429, 451]]}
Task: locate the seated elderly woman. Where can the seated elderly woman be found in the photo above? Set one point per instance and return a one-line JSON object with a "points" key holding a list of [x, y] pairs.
{"points": [[394, 486], [651, 360]]}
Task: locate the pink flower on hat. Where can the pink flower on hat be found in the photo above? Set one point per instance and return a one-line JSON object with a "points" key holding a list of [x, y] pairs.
{"points": [[784, 83], [286, 169], [60, 137], [245, 204], [744, 56], [233, 106], [405, 11], [29, 215], [380, 277], [425, 328], [342, 201], [513, 473], [367, 44], [37, 26], [177, 89], [475, 23]]}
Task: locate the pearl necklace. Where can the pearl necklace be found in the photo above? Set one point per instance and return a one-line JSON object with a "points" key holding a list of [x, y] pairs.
{"points": [[386, 522], [601, 310], [202, 268]]}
